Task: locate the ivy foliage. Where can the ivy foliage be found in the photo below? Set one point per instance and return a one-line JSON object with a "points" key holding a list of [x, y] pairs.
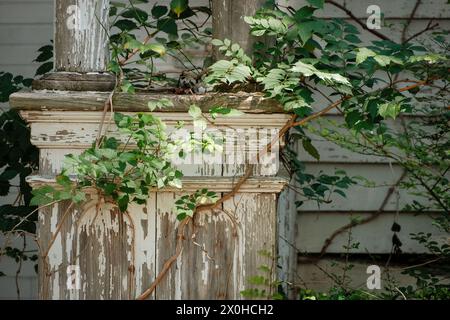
{"points": [[313, 58], [309, 52], [169, 30], [18, 159]]}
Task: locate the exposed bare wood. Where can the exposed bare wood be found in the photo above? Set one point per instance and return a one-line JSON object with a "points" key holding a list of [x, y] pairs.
{"points": [[94, 101], [81, 37], [228, 21], [190, 184], [74, 81]]}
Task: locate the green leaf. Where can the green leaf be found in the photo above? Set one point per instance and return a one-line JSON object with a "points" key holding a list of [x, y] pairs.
{"points": [[238, 74], [316, 3], [430, 58], [216, 42], [106, 153], [136, 13], [306, 29], [127, 87], [160, 104], [304, 12], [307, 145], [195, 112], [40, 196], [159, 11], [340, 192], [179, 6], [111, 143], [44, 56], [309, 70], [352, 38], [363, 54], [8, 174], [382, 60], [298, 103], [168, 26], [389, 110], [156, 47], [225, 111], [63, 180], [125, 25], [44, 68], [79, 197], [176, 183], [122, 202]]}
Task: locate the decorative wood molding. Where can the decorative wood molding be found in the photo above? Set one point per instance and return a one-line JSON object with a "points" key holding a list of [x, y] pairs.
{"points": [[77, 129], [192, 184], [171, 118]]}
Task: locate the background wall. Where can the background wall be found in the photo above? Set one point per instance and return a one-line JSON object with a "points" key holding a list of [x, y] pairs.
{"points": [[26, 25], [313, 224]]}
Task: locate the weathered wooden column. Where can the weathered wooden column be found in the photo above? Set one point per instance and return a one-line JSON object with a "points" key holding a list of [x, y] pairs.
{"points": [[81, 47], [228, 21]]}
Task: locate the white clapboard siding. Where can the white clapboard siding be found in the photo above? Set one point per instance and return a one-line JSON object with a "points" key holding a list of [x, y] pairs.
{"points": [[394, 9], [25, 26], [360, 197], [373, 237], [334, 153], [314, 274]]}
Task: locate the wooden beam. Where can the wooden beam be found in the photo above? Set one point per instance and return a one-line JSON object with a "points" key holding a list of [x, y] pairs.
{"points": [[95, 101], [192, 184]]}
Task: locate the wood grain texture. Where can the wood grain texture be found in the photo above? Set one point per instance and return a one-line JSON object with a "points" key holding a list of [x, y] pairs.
{"points": [[99, 243], [228, 22], [94, 101], [287, 232], [221, 248], [119, 255], [81, 39], [75, 81]]}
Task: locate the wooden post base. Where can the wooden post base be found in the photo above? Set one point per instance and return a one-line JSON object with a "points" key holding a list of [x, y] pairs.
{"points": [[74, 81]]}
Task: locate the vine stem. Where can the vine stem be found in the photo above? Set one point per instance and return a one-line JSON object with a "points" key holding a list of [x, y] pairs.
{"points": [[133, 53], [168, 264], [358, 21], [8, 240], [352, 224]]}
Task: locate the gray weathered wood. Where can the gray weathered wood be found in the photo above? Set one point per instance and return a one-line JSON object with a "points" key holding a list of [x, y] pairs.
{"points": [[228, 21], [75, 81], [287, 231], [81, 39], [95, 101]]}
